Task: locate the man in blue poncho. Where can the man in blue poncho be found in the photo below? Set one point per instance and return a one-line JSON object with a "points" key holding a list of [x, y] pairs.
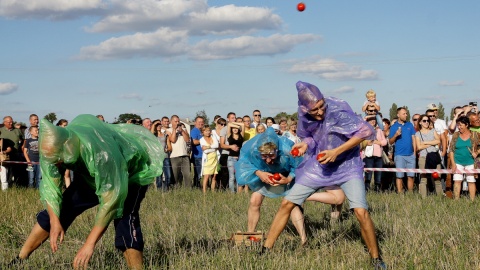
{"points": [[113, 164], [262, 157], [330, 129]]}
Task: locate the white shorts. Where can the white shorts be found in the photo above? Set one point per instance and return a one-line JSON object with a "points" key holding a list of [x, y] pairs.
{"points": [[459, 176]]}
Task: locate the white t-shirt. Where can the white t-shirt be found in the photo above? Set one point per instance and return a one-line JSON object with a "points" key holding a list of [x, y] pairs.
{"points": [[179, 148]]}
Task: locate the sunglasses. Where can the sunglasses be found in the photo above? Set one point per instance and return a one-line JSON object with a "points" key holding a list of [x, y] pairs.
{"points": [[416, 119], [370, 110], [425, 121], [431, 116], [270, 156], [257, 115], [222, 124]]}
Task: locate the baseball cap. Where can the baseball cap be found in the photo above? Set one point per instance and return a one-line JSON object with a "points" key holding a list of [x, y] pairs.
{"points": [[432, 106]]}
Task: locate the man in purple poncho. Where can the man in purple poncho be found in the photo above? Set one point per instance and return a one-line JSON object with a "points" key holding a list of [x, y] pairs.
{"points": [[329, 127]]}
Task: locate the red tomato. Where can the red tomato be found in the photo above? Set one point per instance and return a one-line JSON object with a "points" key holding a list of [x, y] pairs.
{"points": [[435, 175], [320, 156], [300, 6], [277, 176], [295, 152]]}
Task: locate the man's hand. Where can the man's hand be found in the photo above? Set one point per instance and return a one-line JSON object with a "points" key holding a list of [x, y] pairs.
{"points": [[265, 177], [83, 256], [56, 234], [302, 148]]}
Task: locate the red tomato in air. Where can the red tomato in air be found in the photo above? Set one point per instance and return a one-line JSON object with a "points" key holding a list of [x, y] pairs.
{"points": [[320, 156], [295, 152], [277, 176], [300, 6], [435, 175]]}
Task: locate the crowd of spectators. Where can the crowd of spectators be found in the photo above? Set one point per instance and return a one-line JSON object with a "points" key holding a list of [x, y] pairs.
{"points": [[204, 156]]}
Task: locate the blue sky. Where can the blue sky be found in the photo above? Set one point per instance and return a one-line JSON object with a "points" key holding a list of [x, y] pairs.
{"points": [[167, 57]]}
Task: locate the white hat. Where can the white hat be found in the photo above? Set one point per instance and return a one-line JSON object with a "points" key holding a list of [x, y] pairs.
{"points": [[276, 126], [432, 106]]}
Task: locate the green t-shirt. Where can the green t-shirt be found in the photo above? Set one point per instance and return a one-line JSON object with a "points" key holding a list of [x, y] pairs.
{"points": [[11, 138], [462, 154]]}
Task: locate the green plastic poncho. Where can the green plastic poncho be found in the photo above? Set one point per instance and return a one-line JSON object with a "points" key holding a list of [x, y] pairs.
{"points": [[107, 157]]}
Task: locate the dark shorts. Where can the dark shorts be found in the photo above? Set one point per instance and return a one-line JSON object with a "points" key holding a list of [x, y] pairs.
{"points": [[79, 197]]}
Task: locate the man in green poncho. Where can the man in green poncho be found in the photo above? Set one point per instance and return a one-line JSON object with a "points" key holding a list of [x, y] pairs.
{"points": [[113, 164]]}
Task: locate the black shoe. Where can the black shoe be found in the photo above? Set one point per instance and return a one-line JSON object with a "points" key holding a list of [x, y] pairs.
{"points": [[264, 251], [378, 264]]}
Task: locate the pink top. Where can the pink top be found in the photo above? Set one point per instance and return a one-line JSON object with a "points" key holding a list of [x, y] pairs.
{"points": [[377, 148]]}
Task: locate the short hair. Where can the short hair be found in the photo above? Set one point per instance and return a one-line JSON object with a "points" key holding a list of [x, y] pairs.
{"points": [[464, 120], [198, 116], [282, 120], [32, 127], [61, 122], [267, 148], [401, 108], [174, 116], [246, 116], [205, 128], [370, 93], [221, 121], [230, 113], [165, 118], [385, 120], [32, 115], [429, 110], [256, 110]]}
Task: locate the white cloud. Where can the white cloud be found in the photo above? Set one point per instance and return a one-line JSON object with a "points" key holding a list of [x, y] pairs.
{"points": [[343, 90], [162, 43], [333, 70], [7, 88], [50, 9], [455, 83], [248, 46], [131, 96]]}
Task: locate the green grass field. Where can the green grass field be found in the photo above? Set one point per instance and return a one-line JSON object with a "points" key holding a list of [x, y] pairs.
{"points": [[184, 229]]}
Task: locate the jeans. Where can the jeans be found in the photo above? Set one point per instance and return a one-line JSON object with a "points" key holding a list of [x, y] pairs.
{"points": [[197, 166], [35, 176], [373, 162], [231, 172], [163, 181]]}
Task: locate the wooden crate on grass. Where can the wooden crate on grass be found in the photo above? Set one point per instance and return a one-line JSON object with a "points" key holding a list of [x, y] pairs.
{"points": [[248, 238]]}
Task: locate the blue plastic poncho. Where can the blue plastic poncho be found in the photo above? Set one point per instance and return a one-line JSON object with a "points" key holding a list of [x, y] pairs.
{"points": [[107, 157], [339, 125], [250, 161]]}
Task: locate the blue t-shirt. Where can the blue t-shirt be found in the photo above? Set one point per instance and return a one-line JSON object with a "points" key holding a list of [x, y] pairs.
{"points": [[32, 147], [195, 134], [404, 142]]}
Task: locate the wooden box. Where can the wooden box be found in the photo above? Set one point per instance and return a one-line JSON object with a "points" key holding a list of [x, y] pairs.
{"points": [[248, 238]]}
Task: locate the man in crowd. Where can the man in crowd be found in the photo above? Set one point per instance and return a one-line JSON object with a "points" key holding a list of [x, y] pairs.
{"points": [[415, 118], [117, 180], [257, 118], [330, 129], [12, 142], [402, 134], [33, 119], [180, 157], [197, 152], [147, 123]]}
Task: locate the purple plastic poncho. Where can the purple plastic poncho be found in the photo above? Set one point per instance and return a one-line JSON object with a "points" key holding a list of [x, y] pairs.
{"points": [[250, 161], [107, 157], [340, 124]]}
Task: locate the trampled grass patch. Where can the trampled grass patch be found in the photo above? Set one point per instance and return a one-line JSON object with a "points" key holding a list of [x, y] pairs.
{"points": [[183, 229]]}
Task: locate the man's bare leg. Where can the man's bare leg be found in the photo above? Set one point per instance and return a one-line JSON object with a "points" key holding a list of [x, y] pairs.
{"points": [[254, 210], [368, 231], [279, 222], [334, 197], [410, 183], [298, 221], [399, 185], [35, 239], [134, 258]]}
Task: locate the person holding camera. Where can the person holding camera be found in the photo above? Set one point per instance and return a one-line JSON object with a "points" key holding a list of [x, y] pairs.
{"points": [[180, 156]]}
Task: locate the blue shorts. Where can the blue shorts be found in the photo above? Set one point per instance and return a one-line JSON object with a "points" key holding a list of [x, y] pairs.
{"points": [[79, 197], [405, 162], [354, 191]]}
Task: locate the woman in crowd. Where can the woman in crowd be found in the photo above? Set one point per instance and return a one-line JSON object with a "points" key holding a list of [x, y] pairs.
{"points": [[68, 173], [260, 129], [219, 124], [160, 131], [291, 133], [463, 151], [234, 137], [269, 121], [427, 141], [209, 158], [373, 157]]}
